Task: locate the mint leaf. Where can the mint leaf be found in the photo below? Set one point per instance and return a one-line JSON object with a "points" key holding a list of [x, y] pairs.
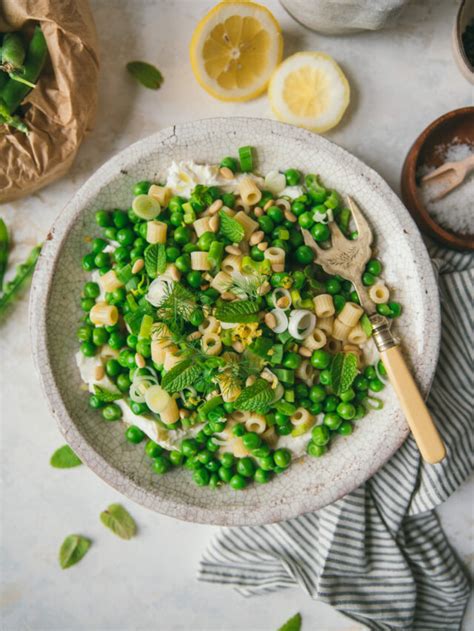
{"points": [[366, 325], [146, 74], [241, 311], [293, 624], [72, 550], [119, 520], [64, 458], [106, 396], [231, 228], [181, 375], [155, 259], [343, 372], [256, 397]]}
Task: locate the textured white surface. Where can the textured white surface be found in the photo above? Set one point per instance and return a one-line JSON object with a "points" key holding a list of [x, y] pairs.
{"points": [[149, 583]]}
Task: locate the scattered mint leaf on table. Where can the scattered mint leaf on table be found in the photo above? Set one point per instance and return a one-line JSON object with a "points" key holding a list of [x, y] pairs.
{"points": [[64, 458], [72, 550], [119, 520], [293, 624], [146, 74]]}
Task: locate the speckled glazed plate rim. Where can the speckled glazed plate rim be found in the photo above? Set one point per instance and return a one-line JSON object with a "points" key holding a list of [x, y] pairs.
{"points": [[176, 507]]}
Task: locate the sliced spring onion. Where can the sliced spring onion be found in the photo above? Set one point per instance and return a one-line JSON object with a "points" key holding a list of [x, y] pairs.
{"points": [[281, 320], [279, 293], [157, 399], [275, 182], [320, 217], [303, 428], [145, 327], [302, 323], [374, 403], [158, 289], [146, 207], [246, 159]]}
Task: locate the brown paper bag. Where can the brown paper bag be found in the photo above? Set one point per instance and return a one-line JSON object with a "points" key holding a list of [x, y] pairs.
{"points": [[61, 109]]}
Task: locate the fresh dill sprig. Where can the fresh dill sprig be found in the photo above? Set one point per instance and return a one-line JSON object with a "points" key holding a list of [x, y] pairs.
{"points": [[176, 307], [246, 285]]}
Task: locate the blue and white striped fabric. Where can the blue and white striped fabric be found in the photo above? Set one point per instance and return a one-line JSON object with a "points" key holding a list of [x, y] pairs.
{"points": [[379, 554]]}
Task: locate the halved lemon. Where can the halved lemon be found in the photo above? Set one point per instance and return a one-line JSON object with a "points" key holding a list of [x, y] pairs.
{"points": [[309, 89], [235, 49]]}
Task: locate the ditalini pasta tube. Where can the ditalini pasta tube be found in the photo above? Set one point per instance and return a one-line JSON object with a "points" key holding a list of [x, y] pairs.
{"points": [[326, 324], [276, 256], [300, 417], [200, 262], [351, 314], [103, 314], [249, 191], [161, 193], [316, 339], [171, 412], [201, 226], [209, 325], [109, 281], [255, 423], [357, 335], [211, 344], [156, 232], [231, 264], [379, 293], [221, 282], [170, 360], [247, 223], [305, 372], [324, 305], [340, 331]]}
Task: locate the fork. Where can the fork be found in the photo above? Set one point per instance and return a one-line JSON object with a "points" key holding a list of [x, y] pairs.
{"points": [[459, 170], [348, 259]]}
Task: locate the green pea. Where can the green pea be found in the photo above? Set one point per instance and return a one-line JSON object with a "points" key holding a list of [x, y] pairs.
{"points": [[225, 474], [110, 233], [261, 476], [345, 428], [176, 204], [116, 341], [125, 236], [141, 229], [292, 360], [395, 309], [304, 255], [152, 449], [144, 348], [201, 476], [316, 408], [298, 208], [246, 467], [238, 482], [251, 440], [176, 458], [320, 359], [275, 214], [88, 349], [227, 460], [332, 420], [347, 395], [103, 218], [213, 465], [333, 286], [360, 412], [138, 408], [284, 430], [296, 239], [204, 456], [194, 279], [266, 224], [339, 302], [197, 317], [212, 446], [189, 447], [120, 219], [177, 219], [282, 458], [306, 220], [84, 333], [317, 394], [88, 262], [121, 255], [266, 463], [102, 259], [113, 368], [205, 240], [320, 232], [361, 384], [214, 481], [161, 465], [112, 412], [95, 402], [172, 254], [256, 254], [183, 263], [134, 434], [239, 429], [374, 266], [346, 411], [123, 383], [293, 177], [381, 368], [132, 341], [141, 188], [132, 217], [331, 402], [368, 279], [384, 310], [370, 372], [281, 419], [182, 235], [100, 336], [321, 434], [316, 450], [262, 451], [376, 385]]}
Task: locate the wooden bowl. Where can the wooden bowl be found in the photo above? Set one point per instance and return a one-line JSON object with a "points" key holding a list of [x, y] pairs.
{"points": [[456, 124], [463, 18]]}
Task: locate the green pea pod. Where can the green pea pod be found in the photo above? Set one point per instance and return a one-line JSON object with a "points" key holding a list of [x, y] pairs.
{"points": [[13, 52], [14, 92], [3, 251], [12, 120], [23, 271]]}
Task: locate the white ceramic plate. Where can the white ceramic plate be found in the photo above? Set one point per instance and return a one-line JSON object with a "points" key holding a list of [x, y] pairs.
{"points": [[55, 313]]}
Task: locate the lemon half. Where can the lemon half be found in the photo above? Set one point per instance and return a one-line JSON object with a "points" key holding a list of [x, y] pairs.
{"points": [[309, 89], [235, 49]]}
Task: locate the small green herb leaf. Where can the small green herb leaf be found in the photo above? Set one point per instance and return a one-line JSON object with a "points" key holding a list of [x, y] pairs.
{"points": [[181, 375], [256, 397], [241, 311], [231, 228], [293, 624], [155, 259], [343, 371], [72, 550], [106, 396], [119, 520], [64, 458], [146, 74], [366, 325]]}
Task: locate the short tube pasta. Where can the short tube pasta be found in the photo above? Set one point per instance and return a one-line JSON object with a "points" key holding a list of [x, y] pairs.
{"points": [[305, 372], [171, 359], [255, 423], [357, 335], [109, 281], [340, 331], [162, 194], [201, 226], [324, 305], [276, 256], [379, 293], [316, 339], [247, 223], [171, 412], [221, 282], [300, 417], [326, 325], [249, 191], [334, 346], [200, 262], [156, 232], [103, 314], [232, 263], [211, 344], [209, 325], [351, 314]]}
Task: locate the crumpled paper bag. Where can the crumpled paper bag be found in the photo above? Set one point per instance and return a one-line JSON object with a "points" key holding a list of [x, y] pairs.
{"points": [[61, 109]]}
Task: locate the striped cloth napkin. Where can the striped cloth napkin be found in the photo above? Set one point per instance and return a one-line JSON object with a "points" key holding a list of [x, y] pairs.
{"points": [[379, 554]]}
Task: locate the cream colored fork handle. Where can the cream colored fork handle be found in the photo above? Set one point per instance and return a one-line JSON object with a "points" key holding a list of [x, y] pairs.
{"points": [[418, 417]]}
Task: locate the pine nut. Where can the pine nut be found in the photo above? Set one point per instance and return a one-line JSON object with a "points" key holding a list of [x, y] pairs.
{"points": [[282, 303], [238, 347], [140, 360], [289, 216], [270, 203], [262, 246], [264, 288], [250, 380], [138, 266], [99, 373], [183, 413], [228, 295], [195, 335], [204, 286], [270, 320], [232, 249], [214, 223], [174, 272], [257, 237], [215, 206], [304, 352], [226, 173], [257, 211]]}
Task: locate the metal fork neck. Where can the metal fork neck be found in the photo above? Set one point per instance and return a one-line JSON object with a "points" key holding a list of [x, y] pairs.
{"points": [[381, 333]]}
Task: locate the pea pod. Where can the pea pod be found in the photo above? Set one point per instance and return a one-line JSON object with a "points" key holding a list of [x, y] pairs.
{"points": [[3, 251], [13, 52], [23, 271], [14, 92], [11, 119]]}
